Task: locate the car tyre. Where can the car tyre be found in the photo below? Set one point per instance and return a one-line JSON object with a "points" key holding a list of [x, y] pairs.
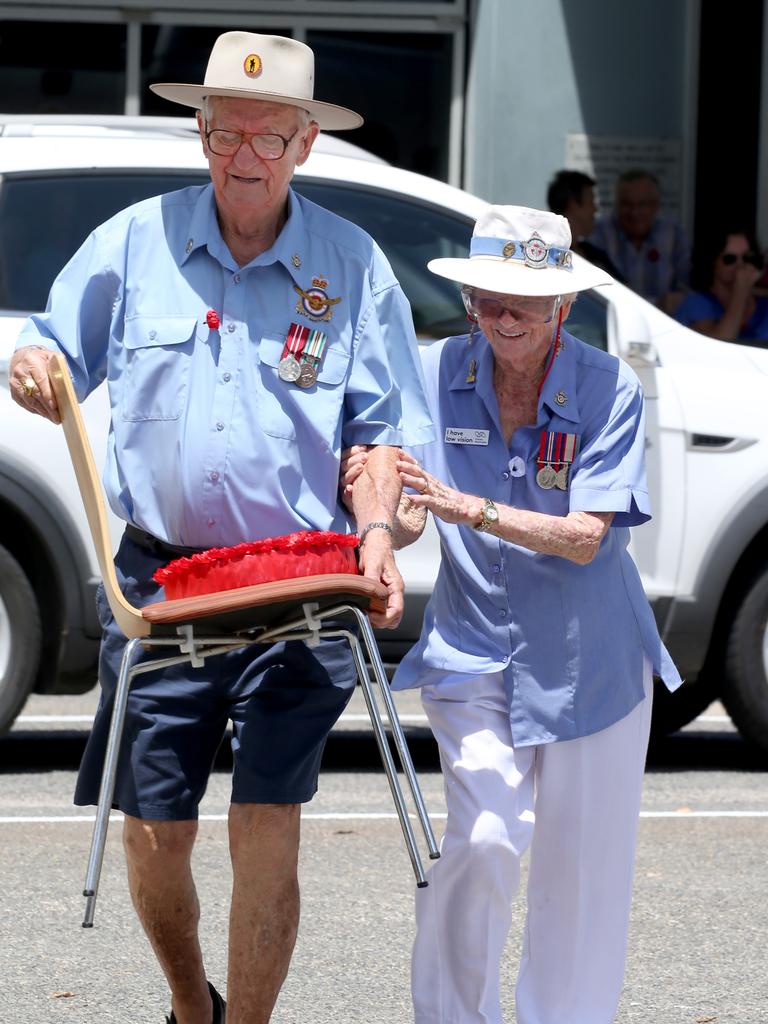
{"points": [[745, 680], [20, 638], [672, 711]]}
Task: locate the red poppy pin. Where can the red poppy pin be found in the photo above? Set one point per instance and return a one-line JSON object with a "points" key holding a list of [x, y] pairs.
{"points": [[213, 319]]}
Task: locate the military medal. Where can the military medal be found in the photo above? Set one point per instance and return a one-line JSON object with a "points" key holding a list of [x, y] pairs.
{"points": [[313, 354], [556, 453], [289, 366]]}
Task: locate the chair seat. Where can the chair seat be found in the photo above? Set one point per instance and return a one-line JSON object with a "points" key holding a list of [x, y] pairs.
{"points": [[264, 604]]}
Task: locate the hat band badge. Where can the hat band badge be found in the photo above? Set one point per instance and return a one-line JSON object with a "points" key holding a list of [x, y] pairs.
{"points": [[252, 65]]}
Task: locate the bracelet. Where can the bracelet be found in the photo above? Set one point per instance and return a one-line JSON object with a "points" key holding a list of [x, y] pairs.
{"points": [[374, 526]]}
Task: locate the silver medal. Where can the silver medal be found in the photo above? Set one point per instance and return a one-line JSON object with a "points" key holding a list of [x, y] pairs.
{"points": [[546, 478], [289, 369], [561, 478]]}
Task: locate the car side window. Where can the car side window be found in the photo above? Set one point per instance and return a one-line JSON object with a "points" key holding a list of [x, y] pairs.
{"points": [[410, 233], [45, 218], [588, 320]]}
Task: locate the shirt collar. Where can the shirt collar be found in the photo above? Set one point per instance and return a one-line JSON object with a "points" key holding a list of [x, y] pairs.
{"points": [[204, 231], [560, 383]]}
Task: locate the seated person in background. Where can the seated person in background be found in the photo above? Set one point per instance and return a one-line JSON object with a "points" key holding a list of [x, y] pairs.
{"points": [[651, 251], [727, 306], [572, 195]]}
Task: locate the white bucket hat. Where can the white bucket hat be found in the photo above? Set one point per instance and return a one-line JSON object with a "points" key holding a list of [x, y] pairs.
{"points": [[519, 251], [246, 65]]}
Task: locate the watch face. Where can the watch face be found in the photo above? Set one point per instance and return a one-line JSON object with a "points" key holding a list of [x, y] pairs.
{"points": [[491, 513]]}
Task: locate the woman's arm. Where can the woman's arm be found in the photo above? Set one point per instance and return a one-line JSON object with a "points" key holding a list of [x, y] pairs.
{"points": [[409, 520], [576, 536]]}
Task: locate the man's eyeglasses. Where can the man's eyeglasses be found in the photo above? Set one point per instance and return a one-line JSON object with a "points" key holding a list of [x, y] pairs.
{"points": [[755, 258], [223, 142], [524, 310]]}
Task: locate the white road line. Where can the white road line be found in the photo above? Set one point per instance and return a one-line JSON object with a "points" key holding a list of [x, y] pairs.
{"points": [[350, 816]]}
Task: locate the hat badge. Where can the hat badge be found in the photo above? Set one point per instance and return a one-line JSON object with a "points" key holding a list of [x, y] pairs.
{"points": [[535, 251], [252, 65]]}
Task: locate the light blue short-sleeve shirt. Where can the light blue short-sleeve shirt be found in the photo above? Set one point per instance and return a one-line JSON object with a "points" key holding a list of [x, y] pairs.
{"points": [[570, 639], [208, 445]]}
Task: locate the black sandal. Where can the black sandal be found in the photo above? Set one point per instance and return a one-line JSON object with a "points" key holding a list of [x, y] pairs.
{"points": [[219, 1009]]}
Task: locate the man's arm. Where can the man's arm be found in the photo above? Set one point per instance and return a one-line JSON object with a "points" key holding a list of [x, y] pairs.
{"points": [[375, 498]]}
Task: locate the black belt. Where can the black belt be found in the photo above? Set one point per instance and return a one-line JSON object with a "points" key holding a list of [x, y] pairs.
{"points": [[159, 547]]}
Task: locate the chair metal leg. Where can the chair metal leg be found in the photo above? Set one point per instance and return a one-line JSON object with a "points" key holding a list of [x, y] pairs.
{"points": [[390, 769], [107, 789], [401, 744]]}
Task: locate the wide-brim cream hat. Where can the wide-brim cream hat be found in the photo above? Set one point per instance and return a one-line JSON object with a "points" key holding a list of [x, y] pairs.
{"points": [[519, 251], [246, 65]]}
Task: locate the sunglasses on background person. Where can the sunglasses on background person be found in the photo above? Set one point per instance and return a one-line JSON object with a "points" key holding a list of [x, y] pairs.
{"points": [[755, 258], [524, 310]]}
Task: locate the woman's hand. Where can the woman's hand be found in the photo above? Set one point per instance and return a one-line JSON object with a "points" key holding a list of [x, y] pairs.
{"points": [[353, 461], [447, 504]]}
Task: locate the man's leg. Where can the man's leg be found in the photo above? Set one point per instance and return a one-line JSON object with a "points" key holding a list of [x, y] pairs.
{"points": [[580, 884], [160, 879], [264, 918]]}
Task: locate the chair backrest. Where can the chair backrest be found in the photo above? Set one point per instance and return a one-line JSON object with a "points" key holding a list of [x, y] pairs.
{"points": [[128, 618]]}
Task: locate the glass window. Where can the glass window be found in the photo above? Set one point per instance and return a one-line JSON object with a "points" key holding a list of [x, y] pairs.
{"points": [[171, 53], [400, 83], [589, 320], [62, 67], [45, 219], [410, 233]]}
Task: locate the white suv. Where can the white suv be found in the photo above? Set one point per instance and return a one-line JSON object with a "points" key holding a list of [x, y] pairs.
{"points": [[703, 558]]}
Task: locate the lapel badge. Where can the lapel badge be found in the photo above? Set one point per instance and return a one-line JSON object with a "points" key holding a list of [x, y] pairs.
{"points": [[189, 246], [315, 302], [252, 65], [471, 372], [561, 398], [296, 260]]}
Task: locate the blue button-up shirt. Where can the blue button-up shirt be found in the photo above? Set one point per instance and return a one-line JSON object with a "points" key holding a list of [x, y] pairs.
{"points": [[661, 264], [208, 445], [569, 639]]}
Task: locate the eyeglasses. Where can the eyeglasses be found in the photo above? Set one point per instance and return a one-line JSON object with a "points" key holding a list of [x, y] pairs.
{"points": [[223, 142], [524, 310], [755, 258]]}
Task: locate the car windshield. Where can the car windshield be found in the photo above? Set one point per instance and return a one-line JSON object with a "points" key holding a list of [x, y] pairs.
{"points": [[44, 219]]}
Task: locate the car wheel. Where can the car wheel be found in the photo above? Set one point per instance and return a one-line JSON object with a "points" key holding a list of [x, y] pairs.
{"points": [[671, 711], [745, 681], [20, 638]]}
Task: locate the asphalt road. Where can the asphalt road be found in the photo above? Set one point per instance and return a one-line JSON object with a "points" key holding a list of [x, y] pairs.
{"points": [[698, 936]]}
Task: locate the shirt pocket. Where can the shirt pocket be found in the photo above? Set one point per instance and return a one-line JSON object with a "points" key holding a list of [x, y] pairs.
{"points": [[288, 411], [158, 350]]}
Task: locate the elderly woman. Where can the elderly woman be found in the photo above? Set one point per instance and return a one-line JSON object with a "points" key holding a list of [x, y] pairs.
{"points": [[538, 646]]}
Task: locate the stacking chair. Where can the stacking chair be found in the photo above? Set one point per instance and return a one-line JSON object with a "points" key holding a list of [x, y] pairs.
{"points": [[195, 628]]}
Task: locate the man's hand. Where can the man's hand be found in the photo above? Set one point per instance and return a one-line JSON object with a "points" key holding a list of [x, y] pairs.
{"points": [[29, 383], [377, 562]]}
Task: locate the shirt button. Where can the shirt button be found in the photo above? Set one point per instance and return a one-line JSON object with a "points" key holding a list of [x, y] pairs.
{"points": [[496, 567], [237, 279], [214, 476], [505, 475], [219, 426], [517, 466], [230, 328], [152, 335], [502, 613], [227, 378]]}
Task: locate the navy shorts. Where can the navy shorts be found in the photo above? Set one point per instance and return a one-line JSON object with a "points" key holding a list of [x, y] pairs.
{"points": [[282, 701]]}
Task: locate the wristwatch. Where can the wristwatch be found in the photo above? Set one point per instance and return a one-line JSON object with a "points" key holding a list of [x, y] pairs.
{"points": [[489, 516]]}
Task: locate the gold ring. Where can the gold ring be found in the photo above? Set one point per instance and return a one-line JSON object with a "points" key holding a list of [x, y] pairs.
{"points": [[29, 386], [426, 486]]}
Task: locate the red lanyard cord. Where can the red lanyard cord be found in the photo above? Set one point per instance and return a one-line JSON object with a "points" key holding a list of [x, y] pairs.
{"points": [[553, 353]]}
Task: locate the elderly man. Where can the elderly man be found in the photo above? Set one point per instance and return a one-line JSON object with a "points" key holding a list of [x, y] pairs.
{"points": [[651, 251], [245, 335]]}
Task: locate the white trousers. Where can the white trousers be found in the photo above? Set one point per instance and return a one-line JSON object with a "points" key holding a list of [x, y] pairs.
{"points": [[576, 804]]}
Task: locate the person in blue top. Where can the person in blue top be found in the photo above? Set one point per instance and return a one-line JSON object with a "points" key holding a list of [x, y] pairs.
{"points": [[245, 335], [538, 646], [726, 306]]}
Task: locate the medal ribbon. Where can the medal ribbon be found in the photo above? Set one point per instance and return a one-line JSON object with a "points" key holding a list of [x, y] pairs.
{"points": [[316, 347], [556, 449], [295, 340]]}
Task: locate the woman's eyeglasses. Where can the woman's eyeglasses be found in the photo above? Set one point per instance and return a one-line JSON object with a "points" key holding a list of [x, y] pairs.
{"points": [[524, 310], [755, 258]]}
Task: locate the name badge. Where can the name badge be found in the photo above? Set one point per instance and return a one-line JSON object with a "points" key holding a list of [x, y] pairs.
{"points": [[466, 435]]}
